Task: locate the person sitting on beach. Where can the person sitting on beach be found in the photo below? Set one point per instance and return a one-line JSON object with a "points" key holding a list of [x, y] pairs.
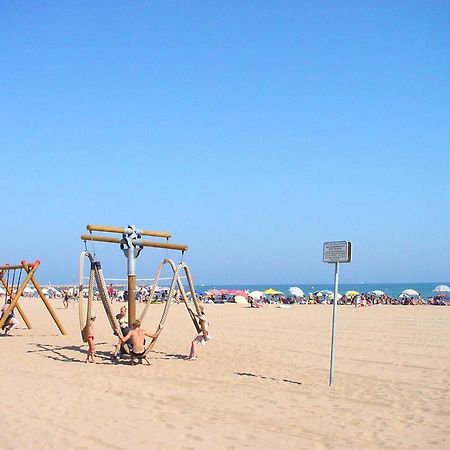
{"points": [[137, 336], [11, 322], [91, 341], [200, 338]]}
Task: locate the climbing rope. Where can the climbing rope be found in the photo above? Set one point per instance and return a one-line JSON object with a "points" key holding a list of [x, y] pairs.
{"points": [[95, 277], [176, 283]]}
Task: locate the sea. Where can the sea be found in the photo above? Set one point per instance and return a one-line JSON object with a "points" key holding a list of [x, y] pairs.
{"points": [[391, 289]]}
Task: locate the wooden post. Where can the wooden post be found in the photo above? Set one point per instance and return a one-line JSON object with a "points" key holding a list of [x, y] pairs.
{"points": [[43, 297], [131, 299]]}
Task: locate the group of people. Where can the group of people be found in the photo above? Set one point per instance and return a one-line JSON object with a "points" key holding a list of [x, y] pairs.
{"points": [[134, 337], [366, 299]]}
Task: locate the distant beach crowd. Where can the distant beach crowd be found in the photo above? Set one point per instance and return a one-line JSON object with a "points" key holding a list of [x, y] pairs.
{"points": [[260, 298]]}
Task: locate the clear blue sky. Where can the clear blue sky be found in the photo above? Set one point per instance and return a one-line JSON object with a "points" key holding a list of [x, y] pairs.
{"points": [[253, 131]]}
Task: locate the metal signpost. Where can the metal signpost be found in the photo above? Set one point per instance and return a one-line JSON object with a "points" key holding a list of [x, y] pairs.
{"points": [[336, 252]]}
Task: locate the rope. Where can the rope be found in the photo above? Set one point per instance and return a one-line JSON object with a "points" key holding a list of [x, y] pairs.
{"points": [[155, 284], [12, 285], [85, 318], [197, 324], [7, 287], [165, 310], [18, 281], [95, 276], [103, 291], [176, 281]]}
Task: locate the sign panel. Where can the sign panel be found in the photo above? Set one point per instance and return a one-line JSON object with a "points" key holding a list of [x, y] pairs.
{"points": [[337, 252]]}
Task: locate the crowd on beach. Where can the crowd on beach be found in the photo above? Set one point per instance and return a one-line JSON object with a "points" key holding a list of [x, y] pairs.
{"points": [[359, 300]]}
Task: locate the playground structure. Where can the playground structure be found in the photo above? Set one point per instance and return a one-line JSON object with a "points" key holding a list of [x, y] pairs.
{"points": [[14, 290], [132, 244]]}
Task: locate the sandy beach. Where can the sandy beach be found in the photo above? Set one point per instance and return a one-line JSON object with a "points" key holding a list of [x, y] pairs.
{"points": [[261, 382]]}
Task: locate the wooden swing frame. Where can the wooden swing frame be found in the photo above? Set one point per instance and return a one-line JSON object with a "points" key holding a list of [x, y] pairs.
{"points": [[30, 269]]}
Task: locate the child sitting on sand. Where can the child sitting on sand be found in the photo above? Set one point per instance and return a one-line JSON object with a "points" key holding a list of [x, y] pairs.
{"points": [[91, 341], [11, 321], [200, 338]]}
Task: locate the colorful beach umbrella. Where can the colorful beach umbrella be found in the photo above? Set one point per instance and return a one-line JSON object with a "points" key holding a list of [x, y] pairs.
{"points": [[351, 294], [214, 292], [271, 291], [441, 288]]}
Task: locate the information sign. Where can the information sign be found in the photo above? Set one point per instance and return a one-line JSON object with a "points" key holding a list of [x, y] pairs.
{"points": [[337, 252]]}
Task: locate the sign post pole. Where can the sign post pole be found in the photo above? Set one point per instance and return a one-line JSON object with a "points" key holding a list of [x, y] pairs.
{"points": [[335, 252], [333, 326]]}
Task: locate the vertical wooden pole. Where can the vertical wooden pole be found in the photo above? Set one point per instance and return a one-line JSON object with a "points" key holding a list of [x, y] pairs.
{"points": [[48, 306], [31, 268], [131, 299]]}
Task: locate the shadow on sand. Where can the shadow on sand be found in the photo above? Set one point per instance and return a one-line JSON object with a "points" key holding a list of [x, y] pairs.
{"points": [[262, 377], [59, 353]]}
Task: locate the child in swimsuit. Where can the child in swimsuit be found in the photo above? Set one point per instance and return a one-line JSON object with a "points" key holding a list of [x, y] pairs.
{"points": [[200, 338], [91, 341]]}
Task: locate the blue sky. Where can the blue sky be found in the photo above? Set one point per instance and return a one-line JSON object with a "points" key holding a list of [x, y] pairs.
{"points": [[253, 131]]}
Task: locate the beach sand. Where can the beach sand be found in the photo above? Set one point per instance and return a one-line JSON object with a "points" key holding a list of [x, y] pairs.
{"points": [[261, 382]]}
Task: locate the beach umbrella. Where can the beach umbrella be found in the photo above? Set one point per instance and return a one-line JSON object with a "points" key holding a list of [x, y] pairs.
{"points": [[377, 292], [351, 294], [240, 299], [331, 296], [237, 292], [214, 292], [256, 294], [296, 292], [410, 293], [327, 292], [441, 288], [271, 291]]}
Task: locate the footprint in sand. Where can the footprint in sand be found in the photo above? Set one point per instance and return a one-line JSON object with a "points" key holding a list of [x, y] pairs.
{"points": [[194, 437]]}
